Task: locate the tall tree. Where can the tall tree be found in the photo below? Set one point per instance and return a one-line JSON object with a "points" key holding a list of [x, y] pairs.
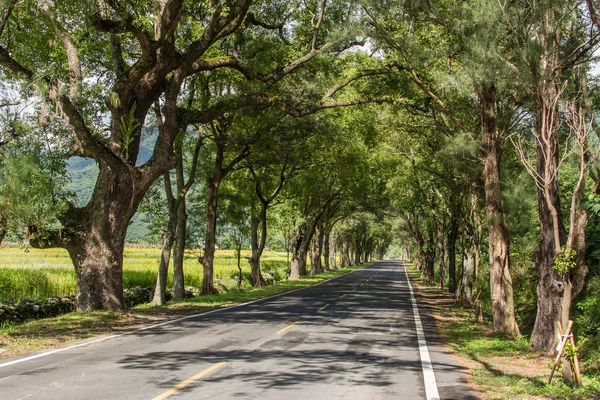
{"points": [[151, 52]]}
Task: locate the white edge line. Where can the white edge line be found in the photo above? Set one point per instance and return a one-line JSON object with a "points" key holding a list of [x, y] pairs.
{"points": [[102, 339], [431, 390]]}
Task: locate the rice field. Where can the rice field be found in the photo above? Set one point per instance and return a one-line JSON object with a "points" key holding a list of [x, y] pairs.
{"points": [[33, 274]]}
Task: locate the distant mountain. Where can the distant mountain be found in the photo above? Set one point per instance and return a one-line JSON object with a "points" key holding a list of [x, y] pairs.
{"points": [[84, 173]]}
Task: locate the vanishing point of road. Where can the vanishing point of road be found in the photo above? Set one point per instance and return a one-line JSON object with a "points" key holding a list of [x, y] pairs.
{"points": [[358, 336]]}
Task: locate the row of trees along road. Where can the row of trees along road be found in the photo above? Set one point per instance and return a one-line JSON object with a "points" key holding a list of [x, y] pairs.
{"points": [[464, 131]]}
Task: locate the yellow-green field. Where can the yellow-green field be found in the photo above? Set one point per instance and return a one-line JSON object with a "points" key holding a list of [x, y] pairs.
{"points": [[36, 274]]}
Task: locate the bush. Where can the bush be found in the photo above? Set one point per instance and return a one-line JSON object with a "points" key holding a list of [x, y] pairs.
{"points": [[140, 295], [275, 269], [26, 310]]}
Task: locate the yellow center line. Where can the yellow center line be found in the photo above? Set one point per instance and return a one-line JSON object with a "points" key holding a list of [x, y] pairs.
{"points": [[344, 295], [324, 307], [286, 328], [188, 381], [362, 284]]}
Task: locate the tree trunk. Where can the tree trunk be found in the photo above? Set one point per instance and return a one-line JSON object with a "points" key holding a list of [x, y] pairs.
{"points": [[326, 252], [257, 247], [160, 290], [3, 227], [468, 273], [442, 256], [301, 243], [429, 261], [357, 251], [99, 273], [238, 253], [94, 236], [319, 241], [452, 236], [331, 252], [211, 231], [179, 252], [315, 259], [345, 252], [298, 265], [551, 286], [503, 310]]}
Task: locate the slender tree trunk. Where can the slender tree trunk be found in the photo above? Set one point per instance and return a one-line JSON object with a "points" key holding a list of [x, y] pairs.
{"points": [[3, 227], [442, 256], [503, 310], [160, 290], [315, 259], [326, 252], [468, 273], [320, 239], [357, 251], [179, 252], [238, 253], [452, 237], [429, 258], [211, 231], [551, 285], [257, 246]]}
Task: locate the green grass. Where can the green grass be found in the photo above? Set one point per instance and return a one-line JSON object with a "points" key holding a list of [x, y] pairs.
{"points": [[42, 334], [502, 368], [35, 274]]}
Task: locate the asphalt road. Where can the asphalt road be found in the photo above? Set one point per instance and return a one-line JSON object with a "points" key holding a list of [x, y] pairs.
{"points": [[354, 337]]}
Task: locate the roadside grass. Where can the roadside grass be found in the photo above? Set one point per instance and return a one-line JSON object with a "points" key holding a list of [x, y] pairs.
{"points": [[500, 368], [43, 334], [35, 274]]}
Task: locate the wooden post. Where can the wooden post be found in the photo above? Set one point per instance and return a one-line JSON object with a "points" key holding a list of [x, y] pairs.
{"points": [[561, 348], [576, 369]]}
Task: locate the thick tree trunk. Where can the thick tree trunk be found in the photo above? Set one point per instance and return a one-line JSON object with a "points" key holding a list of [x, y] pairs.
{"points": [[331, 252], [503, 310], [99, 273], [345, 252], [301, 244], [179, 252], [297, 266], [94, 236]]}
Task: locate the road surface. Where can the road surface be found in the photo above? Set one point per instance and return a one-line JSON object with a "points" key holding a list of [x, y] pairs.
{"points": [[353, 337]]}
